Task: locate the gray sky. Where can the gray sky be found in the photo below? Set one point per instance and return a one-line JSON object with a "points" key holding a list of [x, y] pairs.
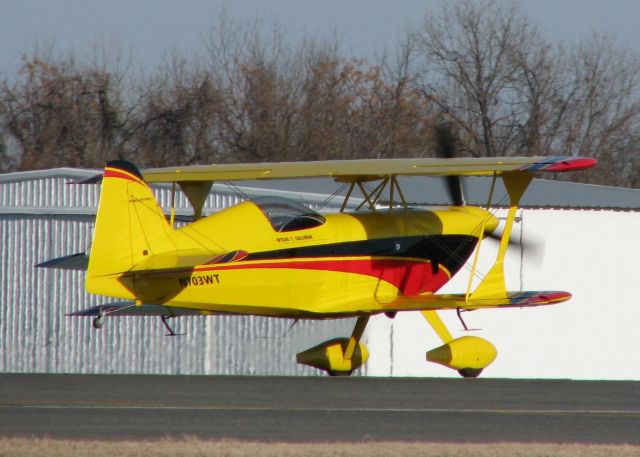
{"points": [[150, 28]]}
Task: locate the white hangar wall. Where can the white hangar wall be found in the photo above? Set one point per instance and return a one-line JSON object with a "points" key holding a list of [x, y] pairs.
{"points": [[590, 253]]}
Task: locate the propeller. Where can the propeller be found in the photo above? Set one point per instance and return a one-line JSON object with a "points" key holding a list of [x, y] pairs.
{"points": [[533, 248], [446, 149]]}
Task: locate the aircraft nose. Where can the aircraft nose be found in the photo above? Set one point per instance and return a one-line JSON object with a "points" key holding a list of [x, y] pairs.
{"points": [[491, 222]]}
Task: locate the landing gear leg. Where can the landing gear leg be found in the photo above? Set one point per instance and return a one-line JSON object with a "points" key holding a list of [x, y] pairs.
{"points": [[339, 356], [458, 312], [167, 326], [358, 330]]}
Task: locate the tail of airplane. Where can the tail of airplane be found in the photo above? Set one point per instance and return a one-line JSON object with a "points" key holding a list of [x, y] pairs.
{"points": [[130, 228]]}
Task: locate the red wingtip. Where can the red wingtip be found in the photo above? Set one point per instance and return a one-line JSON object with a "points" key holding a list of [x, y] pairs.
{"points": [[557, 297], [577, 163]]}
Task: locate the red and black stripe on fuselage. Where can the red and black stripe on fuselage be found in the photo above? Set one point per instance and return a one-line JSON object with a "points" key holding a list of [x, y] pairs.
{"points": [[414, 264]]}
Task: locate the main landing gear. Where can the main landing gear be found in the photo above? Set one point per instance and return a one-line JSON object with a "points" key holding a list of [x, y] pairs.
{"points": [[468, 355], [339, 356]]}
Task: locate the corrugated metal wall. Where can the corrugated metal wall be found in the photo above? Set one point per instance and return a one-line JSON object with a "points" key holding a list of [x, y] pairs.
{"points": [[44, 217]]}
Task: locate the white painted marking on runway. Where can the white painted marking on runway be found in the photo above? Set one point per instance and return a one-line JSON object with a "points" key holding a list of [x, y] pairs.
{"points": [[322, 410]]}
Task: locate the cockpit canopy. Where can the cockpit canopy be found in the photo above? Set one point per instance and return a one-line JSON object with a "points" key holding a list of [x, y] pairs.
{"points": [[287, 215]]}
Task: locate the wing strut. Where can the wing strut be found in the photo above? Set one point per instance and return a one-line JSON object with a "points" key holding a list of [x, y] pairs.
{"points": [[477, 254], [438, 326], [372, 198], [493, 285], [367, 196], [172, 213], [394, 179], [197, 193], [346, 198]]}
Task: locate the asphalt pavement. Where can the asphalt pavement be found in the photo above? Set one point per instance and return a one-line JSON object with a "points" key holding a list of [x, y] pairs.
{"points": [[306, 409]]}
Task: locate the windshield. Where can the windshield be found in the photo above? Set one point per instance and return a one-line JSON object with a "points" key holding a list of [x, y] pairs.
{"points": [[287, 215]]}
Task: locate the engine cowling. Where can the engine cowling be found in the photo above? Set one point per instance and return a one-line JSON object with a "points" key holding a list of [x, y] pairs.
{"points": [[329, 356], [465, 353]]}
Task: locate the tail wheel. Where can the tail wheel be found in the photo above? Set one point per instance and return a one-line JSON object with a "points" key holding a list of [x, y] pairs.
{"points": [[470, 372], [98, 322]]}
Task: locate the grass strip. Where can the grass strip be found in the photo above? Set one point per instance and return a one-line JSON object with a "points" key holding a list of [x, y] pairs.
{"points": [[194, 447]]}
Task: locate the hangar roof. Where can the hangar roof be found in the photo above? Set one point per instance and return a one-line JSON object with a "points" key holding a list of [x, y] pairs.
{"points": [[542, 193], [425, 190]]}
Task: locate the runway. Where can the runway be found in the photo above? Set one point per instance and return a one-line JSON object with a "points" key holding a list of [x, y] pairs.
{"points": [[309, 409]]}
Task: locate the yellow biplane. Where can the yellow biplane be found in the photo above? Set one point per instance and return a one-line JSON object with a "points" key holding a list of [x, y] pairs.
{"points": [[275, 257]]}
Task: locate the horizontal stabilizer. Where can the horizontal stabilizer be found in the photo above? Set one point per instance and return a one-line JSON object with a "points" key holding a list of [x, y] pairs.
{"points": [[77, 261], [165, 262], [454, 301], [95, 179], [128, 308], [180, 261]]}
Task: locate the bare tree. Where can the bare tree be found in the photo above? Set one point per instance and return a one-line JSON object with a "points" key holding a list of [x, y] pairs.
{"points": [[255, 71], [5, 158], [468, 70], [602, 115], [582, 101], [404, 118], [61, 114], [306, 102], [254, 95], [508, 91], [177, 117]]}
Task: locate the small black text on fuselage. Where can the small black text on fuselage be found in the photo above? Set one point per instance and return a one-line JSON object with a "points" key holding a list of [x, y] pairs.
{"points": [[199, 280]]}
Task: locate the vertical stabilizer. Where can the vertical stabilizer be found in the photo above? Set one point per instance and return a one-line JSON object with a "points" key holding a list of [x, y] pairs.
{"points": [[130, 227]]}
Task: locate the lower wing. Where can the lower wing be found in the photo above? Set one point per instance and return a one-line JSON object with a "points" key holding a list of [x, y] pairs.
{"points": [[401, 303], [461, 301]]}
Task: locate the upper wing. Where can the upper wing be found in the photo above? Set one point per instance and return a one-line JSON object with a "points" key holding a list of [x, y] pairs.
{"points": [[367, 169]]}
